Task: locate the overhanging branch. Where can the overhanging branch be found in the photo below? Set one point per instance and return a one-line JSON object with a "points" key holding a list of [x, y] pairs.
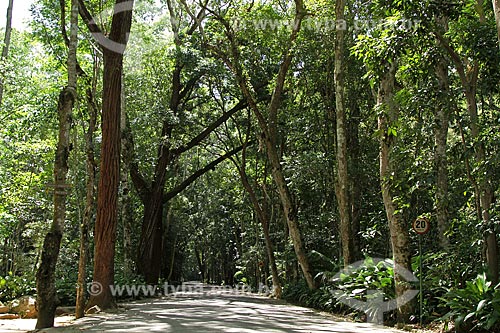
{"points": [[188, 181], [200, 137]]}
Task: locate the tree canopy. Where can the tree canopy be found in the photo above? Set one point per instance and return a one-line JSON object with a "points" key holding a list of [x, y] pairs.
{"points": [[266, 143]]}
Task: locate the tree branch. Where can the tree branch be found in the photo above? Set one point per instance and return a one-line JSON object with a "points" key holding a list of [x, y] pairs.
{"points": [[87, 18], [200, 137], [128, 154], [62, 4], [455, 57], [188, 181]]}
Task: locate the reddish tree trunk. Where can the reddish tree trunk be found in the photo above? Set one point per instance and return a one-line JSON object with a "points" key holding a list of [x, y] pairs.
{"points": [[150, 244], [107, 199]]}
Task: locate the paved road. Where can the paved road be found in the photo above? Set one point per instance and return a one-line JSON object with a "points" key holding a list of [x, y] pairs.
{"points": [[205, 312]]}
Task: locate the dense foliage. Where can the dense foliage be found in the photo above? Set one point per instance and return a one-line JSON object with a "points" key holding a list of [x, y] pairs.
{"points": [[210, 229]]}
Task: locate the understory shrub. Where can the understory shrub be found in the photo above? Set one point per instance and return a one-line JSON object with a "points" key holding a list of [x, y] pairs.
{"points": [[474, 308], [371, 279], [13, 286]]}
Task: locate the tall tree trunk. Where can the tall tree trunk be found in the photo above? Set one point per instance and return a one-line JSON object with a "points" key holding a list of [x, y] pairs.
{"points": [[150, 244], [45, 276], [107, 197], [486, 192], [341, 152], [442, 115], [469, 78], [89, 204], [290, 211], [109, 180], [496, 9], [6, 45], [125, 197], [264, 221], [400, 240], [468, 71], [354, 176]]}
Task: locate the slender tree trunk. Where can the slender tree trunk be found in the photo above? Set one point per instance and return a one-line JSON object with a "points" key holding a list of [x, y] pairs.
{"points": [[270, 131], [89, 205], [486, 192], [341, 152], [290, 211], [354, 178], [264, 221], [442, 115], [496, 9], [400, 240], [126, 200], [6, 45], [45, 276], [468, 72]]}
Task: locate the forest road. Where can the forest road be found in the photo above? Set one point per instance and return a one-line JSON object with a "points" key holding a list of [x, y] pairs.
{"points": [[208, 312]]}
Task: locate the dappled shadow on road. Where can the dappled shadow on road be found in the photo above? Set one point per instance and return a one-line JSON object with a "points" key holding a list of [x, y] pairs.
{"points": [[220, 313]]}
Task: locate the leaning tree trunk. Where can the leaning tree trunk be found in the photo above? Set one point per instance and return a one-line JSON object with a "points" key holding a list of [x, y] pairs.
{"points": [[400, 240], [6, 45], [270, 132], [290, 211], [264, 221]]}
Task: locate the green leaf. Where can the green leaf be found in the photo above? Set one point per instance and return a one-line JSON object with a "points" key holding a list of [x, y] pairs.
{"points": [[481, 305], [470, 315]]}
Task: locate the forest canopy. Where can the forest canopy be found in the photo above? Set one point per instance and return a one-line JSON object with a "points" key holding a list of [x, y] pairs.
{"points": [[254, 142]]}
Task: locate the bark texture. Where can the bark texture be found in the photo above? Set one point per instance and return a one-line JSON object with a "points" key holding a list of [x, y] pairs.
{"points": [[342, 183], [89, 204], [400, 241], [496, 9], [107, 197], [6, 44], [45, 276], [442, 115]]}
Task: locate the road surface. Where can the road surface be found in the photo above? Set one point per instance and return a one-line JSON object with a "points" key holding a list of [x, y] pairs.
{"points": [[207, 312]]}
